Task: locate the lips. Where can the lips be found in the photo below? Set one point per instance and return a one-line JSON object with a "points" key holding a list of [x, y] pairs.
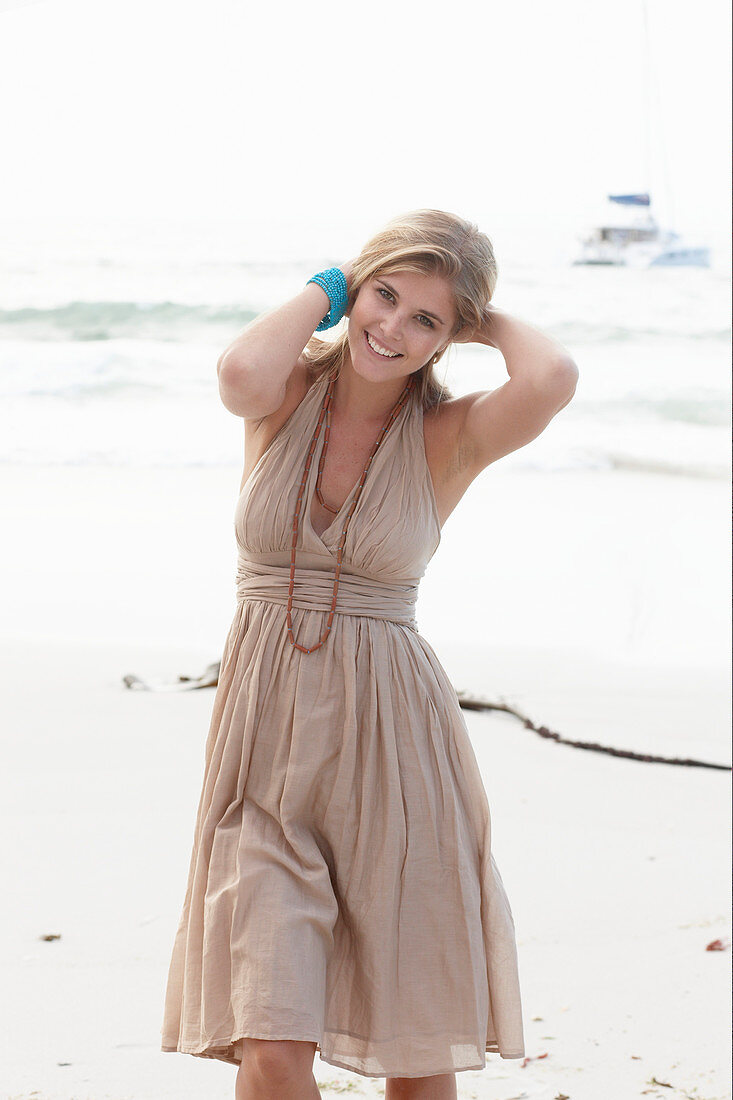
{"points": [[397, 355]]}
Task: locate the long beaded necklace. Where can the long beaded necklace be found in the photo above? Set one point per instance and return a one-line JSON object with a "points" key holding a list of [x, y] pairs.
{"points": [[326, 411]]}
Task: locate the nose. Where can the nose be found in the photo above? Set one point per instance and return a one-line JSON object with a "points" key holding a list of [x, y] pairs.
{"points": [[391, 329]]}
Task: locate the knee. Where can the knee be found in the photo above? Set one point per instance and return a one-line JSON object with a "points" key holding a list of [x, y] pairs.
{"points": [[403, 1088], [439, 1087], [278, 1060]]}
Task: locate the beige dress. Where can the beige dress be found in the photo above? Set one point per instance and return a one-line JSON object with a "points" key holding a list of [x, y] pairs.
{"points": [[342, 887]]}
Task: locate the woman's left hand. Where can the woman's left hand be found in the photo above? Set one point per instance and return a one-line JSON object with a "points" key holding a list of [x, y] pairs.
{"points": [[478, 334]]}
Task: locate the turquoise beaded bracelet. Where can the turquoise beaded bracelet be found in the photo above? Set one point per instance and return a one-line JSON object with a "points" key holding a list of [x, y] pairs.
{"points": [[333, 281]]}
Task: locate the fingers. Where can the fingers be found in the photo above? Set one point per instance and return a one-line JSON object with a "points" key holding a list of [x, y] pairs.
{"points": [[348, 270]]}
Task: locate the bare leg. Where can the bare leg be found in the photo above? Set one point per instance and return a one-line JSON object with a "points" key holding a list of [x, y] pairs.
{"points": [[442, 1086], [277, 1069]]}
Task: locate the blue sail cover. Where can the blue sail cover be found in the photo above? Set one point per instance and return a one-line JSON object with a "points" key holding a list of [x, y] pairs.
{"points": [[631, 200]]}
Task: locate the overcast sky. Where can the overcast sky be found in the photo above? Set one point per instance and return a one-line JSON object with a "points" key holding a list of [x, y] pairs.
{"points": [[227, 108]]}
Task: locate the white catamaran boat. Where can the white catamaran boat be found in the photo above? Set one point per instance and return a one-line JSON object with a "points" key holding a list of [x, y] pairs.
{"points": [[636, 240]]}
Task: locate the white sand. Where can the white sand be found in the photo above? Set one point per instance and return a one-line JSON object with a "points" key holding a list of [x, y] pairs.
{"points": [[618, 871]]}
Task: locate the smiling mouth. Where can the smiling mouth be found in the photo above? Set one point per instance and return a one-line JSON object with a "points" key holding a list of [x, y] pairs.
{"points": [[371, 342]]}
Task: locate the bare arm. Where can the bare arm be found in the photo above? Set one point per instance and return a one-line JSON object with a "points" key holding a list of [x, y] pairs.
{"points": [[253, 370], [542, 380], [530, 355]]}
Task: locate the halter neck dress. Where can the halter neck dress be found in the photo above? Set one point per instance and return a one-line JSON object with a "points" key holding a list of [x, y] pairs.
{"points": [[341, 886]]}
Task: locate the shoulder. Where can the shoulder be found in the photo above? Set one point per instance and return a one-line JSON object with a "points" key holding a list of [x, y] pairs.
{"points": [[476, 429], [297, 384], [446, 446], [259, 433]]}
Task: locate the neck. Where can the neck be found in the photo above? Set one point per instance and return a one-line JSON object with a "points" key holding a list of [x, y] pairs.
{"points": [[357, 399]]}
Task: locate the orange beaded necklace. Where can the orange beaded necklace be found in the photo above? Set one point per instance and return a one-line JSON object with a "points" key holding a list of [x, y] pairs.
{"points": [[326, 411]]}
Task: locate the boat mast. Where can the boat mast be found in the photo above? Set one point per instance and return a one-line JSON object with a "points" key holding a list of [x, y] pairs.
{"points": [[650, 84]]}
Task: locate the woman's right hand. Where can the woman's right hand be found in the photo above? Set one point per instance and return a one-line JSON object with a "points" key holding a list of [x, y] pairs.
{"points": [[348, 270]]}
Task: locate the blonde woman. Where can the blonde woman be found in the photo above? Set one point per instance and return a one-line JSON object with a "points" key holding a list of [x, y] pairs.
{"points": [[342, 894]]}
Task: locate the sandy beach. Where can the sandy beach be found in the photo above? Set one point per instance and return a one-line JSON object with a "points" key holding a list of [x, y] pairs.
{"points": [[166, 186], [617, 870]]}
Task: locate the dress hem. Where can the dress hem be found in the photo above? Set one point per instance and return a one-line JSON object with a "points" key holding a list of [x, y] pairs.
{"points": [[215, 1048]]}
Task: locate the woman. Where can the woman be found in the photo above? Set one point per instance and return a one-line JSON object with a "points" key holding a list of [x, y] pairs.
{"points": [[342, 894]]}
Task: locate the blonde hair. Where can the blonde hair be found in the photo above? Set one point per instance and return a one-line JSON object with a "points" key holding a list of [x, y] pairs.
{"points": [[432, 242]]}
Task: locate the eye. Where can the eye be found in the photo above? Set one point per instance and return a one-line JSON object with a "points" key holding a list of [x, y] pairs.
{"points": [[383, 290]]}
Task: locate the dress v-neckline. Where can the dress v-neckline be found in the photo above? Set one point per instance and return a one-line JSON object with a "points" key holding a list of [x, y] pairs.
{"points": [[311, 497], [313, 476]]}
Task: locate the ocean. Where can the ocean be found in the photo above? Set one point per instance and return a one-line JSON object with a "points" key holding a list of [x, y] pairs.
{"points": [[110, 334], [608, 535]]}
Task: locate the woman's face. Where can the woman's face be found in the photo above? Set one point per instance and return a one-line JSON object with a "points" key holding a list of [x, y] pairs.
{"points": [[407, 313]]}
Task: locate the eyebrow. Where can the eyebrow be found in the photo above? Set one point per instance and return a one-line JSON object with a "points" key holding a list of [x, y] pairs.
{"points": [[425, 311]]}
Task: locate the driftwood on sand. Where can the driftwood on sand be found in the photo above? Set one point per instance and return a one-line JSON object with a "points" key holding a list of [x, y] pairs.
{"points": [[471, 702], [210, 678]]}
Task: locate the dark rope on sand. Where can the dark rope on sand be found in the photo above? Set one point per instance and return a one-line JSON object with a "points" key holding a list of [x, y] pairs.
{"points": [[210, 678], [470, 702]]}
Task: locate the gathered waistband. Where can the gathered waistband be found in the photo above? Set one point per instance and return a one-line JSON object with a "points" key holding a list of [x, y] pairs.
{"points": [[313, 591]]}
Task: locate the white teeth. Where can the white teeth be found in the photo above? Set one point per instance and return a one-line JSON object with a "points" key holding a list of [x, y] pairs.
{"points": [[380, 350]]}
